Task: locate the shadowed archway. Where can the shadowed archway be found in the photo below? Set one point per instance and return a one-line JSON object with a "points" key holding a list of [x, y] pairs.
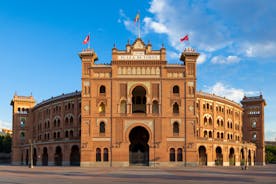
{"points": [[139, 148]]}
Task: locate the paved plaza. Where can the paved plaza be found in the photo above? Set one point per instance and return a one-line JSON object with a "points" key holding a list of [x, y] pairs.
{"points": [[60, 175]]}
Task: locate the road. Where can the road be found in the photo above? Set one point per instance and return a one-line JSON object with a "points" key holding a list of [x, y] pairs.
{"points": [[62, 175]]}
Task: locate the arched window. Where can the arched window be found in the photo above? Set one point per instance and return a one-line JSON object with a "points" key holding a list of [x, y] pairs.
{"points": [[210, 134], [210, 121], [175, 128], [22, 135], [221, 123], [102, 128], [155, 107], [179, 155], [98, 155], [71, 120], [205, 133], [221, 135], [172, 154], [58, 122], [175, 108], [176, 89], [71, 133], [218, 122], [66, 121], [102, 108], [105, 156], [139, 100], [205, 120], [66, 133], [102, 89], [22, 123], [254, 136], [218, 134]]}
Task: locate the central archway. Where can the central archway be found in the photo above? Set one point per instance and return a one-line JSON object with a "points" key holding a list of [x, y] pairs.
{"points": [[139, 100], [139, 148]]}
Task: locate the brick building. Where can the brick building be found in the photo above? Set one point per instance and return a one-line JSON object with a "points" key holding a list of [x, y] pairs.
{"points": [[137, 110]]}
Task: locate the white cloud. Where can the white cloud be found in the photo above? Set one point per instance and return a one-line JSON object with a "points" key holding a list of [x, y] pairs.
{"points": [[155, 26], [212, 27], [173, 55], [259, 49], [5, 124], [225, 60], [228, 92], [202, 58], [129, 24]]}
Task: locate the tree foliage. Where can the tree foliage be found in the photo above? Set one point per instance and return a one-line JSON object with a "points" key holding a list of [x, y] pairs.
{"points": [[5, 143], [270, 154]]}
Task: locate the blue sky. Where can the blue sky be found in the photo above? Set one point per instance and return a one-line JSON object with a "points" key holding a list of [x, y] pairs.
{"points": [[40, 41]]}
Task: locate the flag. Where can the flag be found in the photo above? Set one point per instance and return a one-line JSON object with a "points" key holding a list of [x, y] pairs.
{"points": [[137, 17], [185, 38], [86, 40]]}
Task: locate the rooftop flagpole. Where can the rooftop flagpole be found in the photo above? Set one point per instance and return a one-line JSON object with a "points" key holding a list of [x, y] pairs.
{"points": [[89, 41], [139, 32], [137, 20]]}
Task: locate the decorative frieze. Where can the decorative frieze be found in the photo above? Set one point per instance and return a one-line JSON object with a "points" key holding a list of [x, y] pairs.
{"points": [[102, 75], [175, 75], [139, 71]]}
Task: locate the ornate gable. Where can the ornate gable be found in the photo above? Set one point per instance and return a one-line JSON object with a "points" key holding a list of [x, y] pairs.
{"points": [[138, 44]]}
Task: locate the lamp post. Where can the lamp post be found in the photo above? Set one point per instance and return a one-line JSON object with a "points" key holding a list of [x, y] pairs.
{"points": [[31, 154]]}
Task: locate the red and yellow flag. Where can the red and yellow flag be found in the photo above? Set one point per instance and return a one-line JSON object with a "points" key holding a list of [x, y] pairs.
{"points": [[137, 17]]}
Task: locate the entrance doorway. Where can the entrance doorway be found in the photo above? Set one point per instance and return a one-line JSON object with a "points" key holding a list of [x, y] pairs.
{"points": [[75, 156], [219, 156], [139, 148], [202, 155], [58, 156], [45, 157]]}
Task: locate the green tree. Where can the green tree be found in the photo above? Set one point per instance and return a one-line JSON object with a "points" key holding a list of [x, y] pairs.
{"points": [[5, 143], [270, 154], [1, 143]]}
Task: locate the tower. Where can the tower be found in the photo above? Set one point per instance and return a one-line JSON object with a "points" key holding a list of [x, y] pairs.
{"points": [[253, 125], [21, 126], [189, 57], [88, 58]]}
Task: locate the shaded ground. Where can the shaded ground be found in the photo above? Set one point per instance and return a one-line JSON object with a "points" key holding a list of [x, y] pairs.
{"points": [[59, 175]]}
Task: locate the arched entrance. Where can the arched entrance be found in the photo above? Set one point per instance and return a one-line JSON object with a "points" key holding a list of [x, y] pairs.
{"points": [[202, 155], [34, 156], [242, 162], [249, 157], [139, 100], [75, 156], [58, 156], [232, 156], [219, 156], [27, 157], [45, 157], [139, 148]]}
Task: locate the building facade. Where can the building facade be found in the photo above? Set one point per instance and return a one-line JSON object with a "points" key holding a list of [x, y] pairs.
{"points": [[137, 110]]}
